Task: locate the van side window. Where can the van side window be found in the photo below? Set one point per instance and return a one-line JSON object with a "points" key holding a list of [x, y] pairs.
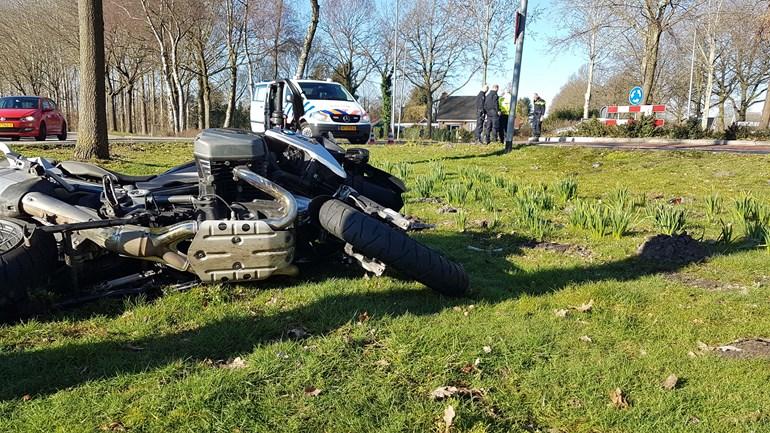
{"points": [[260, 92]]}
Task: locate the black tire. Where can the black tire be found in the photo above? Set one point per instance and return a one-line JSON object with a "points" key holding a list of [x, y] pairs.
{"points": [[42, 134], [17, 138], [23, 264], [359, 140], [63, 133], [375, 239]]}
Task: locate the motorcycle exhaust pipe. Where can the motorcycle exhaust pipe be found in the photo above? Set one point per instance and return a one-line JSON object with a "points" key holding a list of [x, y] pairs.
{"points": [[130, 240], [289, 203]]}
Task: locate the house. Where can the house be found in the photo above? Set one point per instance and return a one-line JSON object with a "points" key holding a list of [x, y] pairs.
{"points": [[457, 112]]}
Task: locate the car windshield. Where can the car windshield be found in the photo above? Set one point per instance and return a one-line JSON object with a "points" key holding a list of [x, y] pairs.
{"points": [[326, 91], [18, 103]]}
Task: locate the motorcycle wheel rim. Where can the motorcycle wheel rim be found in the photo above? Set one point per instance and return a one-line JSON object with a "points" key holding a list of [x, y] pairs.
{"points": [[11, 236]]}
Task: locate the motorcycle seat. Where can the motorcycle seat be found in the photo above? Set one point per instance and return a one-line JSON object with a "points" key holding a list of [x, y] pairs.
{"points": [[91, 171]]}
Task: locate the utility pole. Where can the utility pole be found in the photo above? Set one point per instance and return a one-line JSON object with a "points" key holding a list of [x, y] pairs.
{"points": [[692, 71], [395, 76], [521, 17]]}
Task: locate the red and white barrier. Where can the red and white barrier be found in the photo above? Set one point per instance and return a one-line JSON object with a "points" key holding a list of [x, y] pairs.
{"points": [[647, 110], [372, 140]]}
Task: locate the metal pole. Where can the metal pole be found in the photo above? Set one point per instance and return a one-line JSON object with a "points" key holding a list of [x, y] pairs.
{"points": [[516, 74], [395, 76], [692, 71]]}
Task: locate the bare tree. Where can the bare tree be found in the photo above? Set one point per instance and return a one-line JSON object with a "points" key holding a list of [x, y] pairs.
{"points": [[587, 24], [436, 49], [345, 26], [236, 14], [92, 132], [489, 27], [307, 45]]}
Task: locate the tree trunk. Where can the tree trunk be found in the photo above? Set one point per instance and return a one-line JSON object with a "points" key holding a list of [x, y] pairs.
{"points": [[143, 108], [153, 105], [591, 64], [709, 82], [764, 122], [130, 108], [231, 91], [429, 112], [308, 40], [92, 120], [650, 61]]}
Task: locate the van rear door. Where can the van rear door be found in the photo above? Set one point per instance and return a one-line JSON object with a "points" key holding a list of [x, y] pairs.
{"points": [[258, 108]]}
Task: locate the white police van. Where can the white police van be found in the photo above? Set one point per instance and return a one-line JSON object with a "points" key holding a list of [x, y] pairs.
{"points": [[311, 107]]}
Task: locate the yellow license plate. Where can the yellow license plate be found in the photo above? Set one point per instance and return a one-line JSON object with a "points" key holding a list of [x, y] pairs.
{"points": [[348, 128], [6, 125]]}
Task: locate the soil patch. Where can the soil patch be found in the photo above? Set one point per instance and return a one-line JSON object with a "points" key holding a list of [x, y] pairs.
{"points": [[752, 348], [447, 209], [560, 248], [672, 249], [704, 283]]}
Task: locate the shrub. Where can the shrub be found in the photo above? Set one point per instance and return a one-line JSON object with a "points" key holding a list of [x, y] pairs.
{"points": [[566, 189], [424, 186], [456, 193], [464, 136], [619, 220], [669, 220], [713, 206], [725, 232], [688, 130], [461, 220]]}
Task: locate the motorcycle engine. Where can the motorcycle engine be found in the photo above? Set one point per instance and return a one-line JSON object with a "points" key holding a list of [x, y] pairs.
{"points": [[217, 152]]}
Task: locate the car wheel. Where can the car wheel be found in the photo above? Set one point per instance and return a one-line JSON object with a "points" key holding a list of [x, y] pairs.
{"points": [[15, 138], [63, 134], [359, 140], [42, 133]]}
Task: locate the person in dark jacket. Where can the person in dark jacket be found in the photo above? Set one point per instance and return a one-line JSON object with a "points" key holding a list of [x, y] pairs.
{"points": [[538, 111], [480, 112], [491, 107]]}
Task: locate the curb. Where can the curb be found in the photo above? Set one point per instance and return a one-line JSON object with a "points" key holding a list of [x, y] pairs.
{"points": [[661, 141]]}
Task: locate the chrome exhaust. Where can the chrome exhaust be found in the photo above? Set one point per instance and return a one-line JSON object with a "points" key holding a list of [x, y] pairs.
{"points": [[158, 245], [289, 204]]}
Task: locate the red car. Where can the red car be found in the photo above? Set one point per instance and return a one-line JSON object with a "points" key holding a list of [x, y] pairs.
{"points": [[31, 116]]}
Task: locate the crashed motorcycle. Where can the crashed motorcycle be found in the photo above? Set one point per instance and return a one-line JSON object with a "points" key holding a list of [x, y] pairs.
{"points": [[250, 206]]}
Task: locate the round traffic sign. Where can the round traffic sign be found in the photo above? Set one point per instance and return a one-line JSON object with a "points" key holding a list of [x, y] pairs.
{"points": [[635, 95]]}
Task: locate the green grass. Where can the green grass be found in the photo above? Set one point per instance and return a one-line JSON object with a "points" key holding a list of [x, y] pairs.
{"points": [[156, 365]]}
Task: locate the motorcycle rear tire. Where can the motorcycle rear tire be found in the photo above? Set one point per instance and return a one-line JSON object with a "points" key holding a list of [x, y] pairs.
{"points": [[377, 240], [27, 259]]}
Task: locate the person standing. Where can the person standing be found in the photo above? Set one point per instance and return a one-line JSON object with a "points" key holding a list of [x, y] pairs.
{"points": [[480, 112], [538, 111], [504, 108], [491, 109]]}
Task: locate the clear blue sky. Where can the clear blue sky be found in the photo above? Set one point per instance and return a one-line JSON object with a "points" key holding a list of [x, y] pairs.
{"points": [[542, 72]]}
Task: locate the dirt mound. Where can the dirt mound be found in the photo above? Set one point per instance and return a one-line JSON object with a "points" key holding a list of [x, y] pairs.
{"points": [[672, 249], [746, 349]]}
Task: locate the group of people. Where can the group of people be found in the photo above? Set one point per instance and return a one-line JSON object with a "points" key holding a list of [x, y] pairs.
{"points": [[492, 114]]}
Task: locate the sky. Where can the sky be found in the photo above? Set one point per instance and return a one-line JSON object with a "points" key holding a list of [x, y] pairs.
{"points": [[542, 72]]}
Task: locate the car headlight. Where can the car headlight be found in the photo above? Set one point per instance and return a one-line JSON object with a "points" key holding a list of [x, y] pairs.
{"points": [[365, 117], [29, 119], [318, 115]]}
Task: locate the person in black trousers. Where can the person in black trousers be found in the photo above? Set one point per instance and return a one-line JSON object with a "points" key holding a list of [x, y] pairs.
{"points": [[491, 108], [480, 113], [538, 111]]}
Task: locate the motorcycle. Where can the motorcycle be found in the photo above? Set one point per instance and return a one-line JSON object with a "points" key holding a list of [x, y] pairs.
{"points": [[250, 206]]}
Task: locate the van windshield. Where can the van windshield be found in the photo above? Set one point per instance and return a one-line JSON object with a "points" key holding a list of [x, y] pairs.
{"points": [[326, 91]]}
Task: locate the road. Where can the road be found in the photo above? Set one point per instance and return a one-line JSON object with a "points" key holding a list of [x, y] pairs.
{"points": [[72, 137], [760, 149]]}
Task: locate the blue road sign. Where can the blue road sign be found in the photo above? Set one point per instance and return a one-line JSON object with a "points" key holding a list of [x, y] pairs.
{"points": [[635, 95]]}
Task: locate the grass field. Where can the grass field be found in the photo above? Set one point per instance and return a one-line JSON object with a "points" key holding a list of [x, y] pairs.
{"points": [[219, 359]]}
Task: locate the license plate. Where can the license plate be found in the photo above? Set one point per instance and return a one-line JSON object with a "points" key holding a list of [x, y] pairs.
{"points": [[6, 125], [348, 128]]}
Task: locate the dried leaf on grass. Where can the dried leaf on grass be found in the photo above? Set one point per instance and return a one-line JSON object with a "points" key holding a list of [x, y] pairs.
{"points": [[443, 392], [382, 363], [363, 317], [449, 417], [26, 397], [116, 426], [618, 399], [561, 312], [729, 348], [235, 364], [670, 382], [487, 349], [586, 339], [585, 308], [311, 391]]}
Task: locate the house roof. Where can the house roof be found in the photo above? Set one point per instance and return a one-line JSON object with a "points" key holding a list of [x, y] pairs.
{"points": [[457, 108]]}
